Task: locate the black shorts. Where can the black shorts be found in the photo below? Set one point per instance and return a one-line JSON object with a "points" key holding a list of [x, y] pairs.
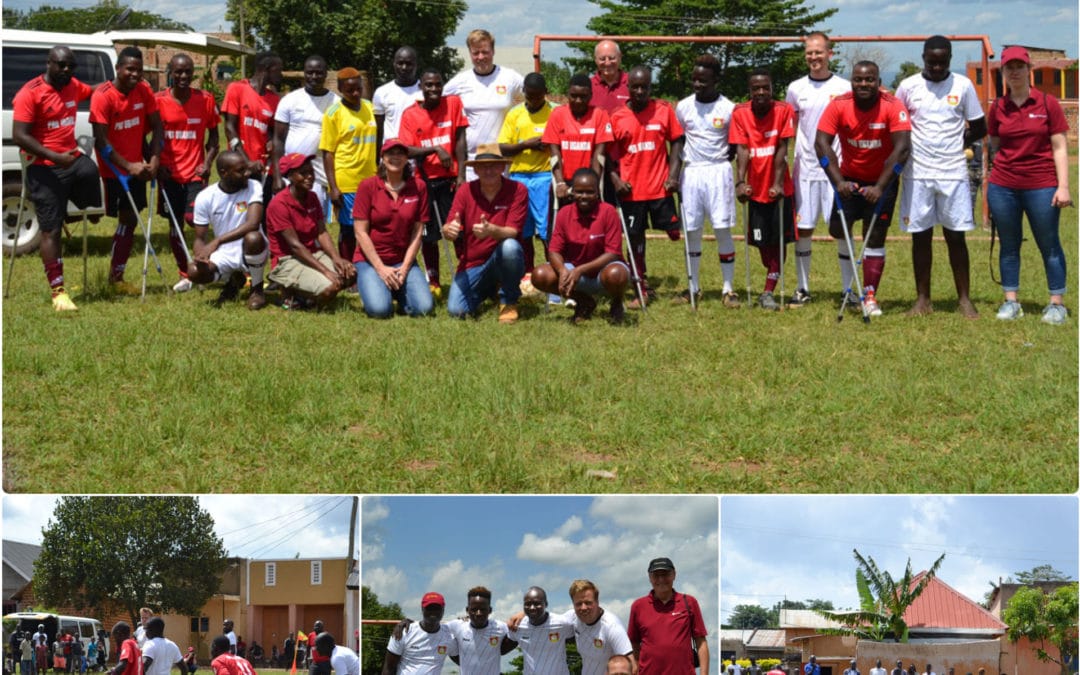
{"points": [[764, 228], [116, 200], [660, 212], [857, 208], [182, 198], [441, 196], [50, 188]]}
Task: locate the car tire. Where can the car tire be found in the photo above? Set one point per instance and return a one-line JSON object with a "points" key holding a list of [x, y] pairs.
{"points": [[25, 237]]}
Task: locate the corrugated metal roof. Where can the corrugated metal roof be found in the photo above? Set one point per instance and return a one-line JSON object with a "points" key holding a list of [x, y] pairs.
{"points": [[21, 557], [942, 606], [805, 618], [768, 638]]}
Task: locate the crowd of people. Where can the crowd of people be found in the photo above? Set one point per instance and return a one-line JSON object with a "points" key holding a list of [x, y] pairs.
{"points": [[486, 163], [665, 634], [33, 654]]}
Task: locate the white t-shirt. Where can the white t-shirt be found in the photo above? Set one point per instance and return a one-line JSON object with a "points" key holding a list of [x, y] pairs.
{"points": [[939, 111], [421, 652], [391, 100], [599, 642], [486, 100], [235, 204], [706, 126], [140, 635], [479, 649], [734, 669], [344, 661], [544, 646], [810, 98], [225, 212], [304, 115], [878, 671], [165, 654]]}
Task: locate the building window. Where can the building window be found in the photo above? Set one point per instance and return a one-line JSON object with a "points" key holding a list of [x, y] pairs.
{"points": [[271, 574], [978, 76], [316, 572], [200, 624], [1057, 77], [1038, 77]]}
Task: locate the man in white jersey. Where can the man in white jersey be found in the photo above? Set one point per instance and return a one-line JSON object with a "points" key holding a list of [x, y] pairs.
{"points": [[227, 624], [542, 636], [487, 92], [298, 123], [391, 99], [160, 654], [423, 647], [809, 95], [945, 118], [481, 641], [878, 670], [707, 186], [343, 660], [233, 208]]}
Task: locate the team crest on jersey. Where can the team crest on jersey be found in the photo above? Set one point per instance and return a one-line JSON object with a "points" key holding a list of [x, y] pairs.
{"points": [[953, 99], [493, 641], [553, 637], [500, 89], [598, 643], [241, 207], [718, 122], [441, 650]]}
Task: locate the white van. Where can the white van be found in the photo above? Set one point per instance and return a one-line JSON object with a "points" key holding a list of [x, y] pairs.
{"points": [[55, 625], [25, 53]]}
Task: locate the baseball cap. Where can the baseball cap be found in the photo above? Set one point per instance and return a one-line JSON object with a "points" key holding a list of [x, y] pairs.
{"points": [[293, 161], [1015, 53], [393, 143], [659, 564], [432, 599]]}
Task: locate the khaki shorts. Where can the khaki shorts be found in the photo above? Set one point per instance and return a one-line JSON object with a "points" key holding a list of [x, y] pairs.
{"points": [[293, 273]]}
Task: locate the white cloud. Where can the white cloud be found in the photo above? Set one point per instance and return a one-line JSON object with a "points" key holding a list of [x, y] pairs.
{"points": [[389, 583], [672, 514], [373, 510], [572, 525]]}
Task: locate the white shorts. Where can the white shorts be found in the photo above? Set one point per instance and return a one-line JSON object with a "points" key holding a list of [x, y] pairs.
{"points": [[708, 191], [813, 201], [228, 258], [925, 202]]}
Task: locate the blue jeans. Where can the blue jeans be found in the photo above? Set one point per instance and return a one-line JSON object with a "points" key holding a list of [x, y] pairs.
{"points": [[503, 269], [414, 296], [1008, 206]]}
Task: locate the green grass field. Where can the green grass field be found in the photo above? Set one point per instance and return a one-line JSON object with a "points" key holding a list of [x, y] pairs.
{"points": [[176, 395]]}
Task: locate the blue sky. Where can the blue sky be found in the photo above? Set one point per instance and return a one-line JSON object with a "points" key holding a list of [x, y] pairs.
{"points": [[777, 547], [256, 526], [448, 544]]}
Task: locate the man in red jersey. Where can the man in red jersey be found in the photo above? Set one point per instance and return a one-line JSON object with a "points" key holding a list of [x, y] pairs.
{"points": [[645, 172], [875, 134], [434, 131], [224, 662], [664, 624], [249, 108], [320, 663], [44, 126], [577, 134], [761, 128], [122, 112], [189, 117], [130, 660]]}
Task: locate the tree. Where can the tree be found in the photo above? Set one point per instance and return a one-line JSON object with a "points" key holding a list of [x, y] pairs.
{"points": [[373, 639], [1041, 573], [862, 51], [123, 553], [556, 76], [105, 14], [285, 27], [907, 69], [750, 616], [1045, 619], [675, 61], [882, 601]]}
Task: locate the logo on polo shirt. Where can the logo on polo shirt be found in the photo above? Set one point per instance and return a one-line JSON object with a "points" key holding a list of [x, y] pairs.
{"points": [[493, 641], [500, 89], [553, 637], [241, 207], [718, 122], [952, 99], [598, 643]]}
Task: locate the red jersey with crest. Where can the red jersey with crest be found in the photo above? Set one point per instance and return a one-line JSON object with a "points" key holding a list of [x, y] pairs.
{"points": [[423, 128], [126, 116], [760, 136], [50, 112], [641, 140], [185, 126], [865, 135], [577, 138], [255, 115]]}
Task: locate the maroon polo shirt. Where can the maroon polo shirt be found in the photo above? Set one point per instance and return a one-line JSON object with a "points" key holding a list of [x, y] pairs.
{"points": [[581, 238], [1025, 159], [610, 97], [663, 630], [508, 209], [283, 213], [390, 221]]}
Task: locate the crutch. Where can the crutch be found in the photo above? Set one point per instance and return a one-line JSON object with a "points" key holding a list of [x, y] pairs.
{"points": [[24, 160], [746, 248], [783, 247], [854, 265], [125, 181], [86, 145], [686, 248], [445, 243], [551, 225], [877, 211], [633, 265], [176, 227]]}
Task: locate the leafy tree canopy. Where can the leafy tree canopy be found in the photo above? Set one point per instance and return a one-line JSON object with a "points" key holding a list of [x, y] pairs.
{"points": [[907, 69], [123, 553], [1041, 573], [105, 14], [750, 616], [286, 28], [373, 639], [1046, 620]]}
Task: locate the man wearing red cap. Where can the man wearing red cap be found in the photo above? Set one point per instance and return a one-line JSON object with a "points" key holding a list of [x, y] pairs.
{"points": [[424, 646], [665, 624]]}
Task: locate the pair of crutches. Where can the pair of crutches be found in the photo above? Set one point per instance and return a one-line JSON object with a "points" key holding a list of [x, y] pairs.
{"points": [[148, 250]]}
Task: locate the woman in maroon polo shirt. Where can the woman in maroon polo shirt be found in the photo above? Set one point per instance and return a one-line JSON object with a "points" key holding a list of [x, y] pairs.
{"points": [[389, 213], [1030, 175]]}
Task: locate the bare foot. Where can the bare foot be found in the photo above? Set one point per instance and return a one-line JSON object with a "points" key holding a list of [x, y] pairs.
{"points": [[922, 307], [966, 309]]}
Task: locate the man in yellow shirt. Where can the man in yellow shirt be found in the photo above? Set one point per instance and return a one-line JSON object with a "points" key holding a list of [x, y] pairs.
{"points": [[348, 144]]}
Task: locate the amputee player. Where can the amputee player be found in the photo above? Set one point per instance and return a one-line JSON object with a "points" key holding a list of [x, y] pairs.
{"points": [[435, 129], [487, 91], [159, 653], [481, 641], [43, 125], [347, 149], [946, 117], [189, 118], [122, 113], [391, 99], [232, 208], [542, 636], [809, 95], [707, 187], [643, 172], [224, 662], [298, 121], [585, 255], [875, 133], [248, 108], [521, 138], [577, 134], [423, 646], [485, 222], [761, 128]]}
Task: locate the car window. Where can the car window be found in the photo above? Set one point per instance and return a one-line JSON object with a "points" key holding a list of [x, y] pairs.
{"points": [[22, 64]]}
